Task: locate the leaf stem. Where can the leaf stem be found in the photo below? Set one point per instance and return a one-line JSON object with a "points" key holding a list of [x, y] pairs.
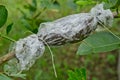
{"points": [[109, 30], [6, 37], [53, 61]]}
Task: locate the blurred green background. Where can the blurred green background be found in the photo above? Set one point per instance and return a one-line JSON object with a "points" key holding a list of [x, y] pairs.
{"points": [[27, 15]]}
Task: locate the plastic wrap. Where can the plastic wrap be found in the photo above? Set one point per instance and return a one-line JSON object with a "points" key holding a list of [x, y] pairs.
{"points": [[74, 28], [69, 29], [28, 50]]}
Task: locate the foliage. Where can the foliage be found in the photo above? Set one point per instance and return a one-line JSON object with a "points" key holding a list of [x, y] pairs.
{"points": [[99, 42], [95, 43], [78, 74], [3, 15], [4, 77], [9, 27], [32, 21], [85, 2], [116, 5], [36, 12]]}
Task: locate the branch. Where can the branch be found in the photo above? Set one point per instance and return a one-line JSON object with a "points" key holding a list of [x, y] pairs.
{"points": [[115, 15], [11, 55], [7, 57], [66, 32]]}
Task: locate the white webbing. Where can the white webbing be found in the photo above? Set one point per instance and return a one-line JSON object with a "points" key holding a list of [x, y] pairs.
{"points": [[64, 30]]}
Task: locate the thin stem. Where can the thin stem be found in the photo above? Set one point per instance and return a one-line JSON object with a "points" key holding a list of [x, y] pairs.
{"points": [[7, 57], [88, 44], [109, 30], [118, 67], [53, 61], [6, 37]]}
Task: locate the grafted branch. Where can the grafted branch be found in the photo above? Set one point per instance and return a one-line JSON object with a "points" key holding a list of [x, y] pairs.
{"points": [[11, 55], [7, 57]]}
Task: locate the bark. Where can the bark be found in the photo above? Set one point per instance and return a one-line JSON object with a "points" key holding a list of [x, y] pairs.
{"points": [[7, 57]]}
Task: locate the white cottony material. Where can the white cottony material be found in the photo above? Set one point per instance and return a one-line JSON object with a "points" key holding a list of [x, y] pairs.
{"points": [[105, 16], [74, 27], [28, 50]]}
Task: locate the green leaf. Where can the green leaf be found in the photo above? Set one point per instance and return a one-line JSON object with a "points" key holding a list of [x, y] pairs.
{"points": [[30, 7], [3, 15], [83, 2], [109, 3], [117, 4], [9, 27], [34, 3], [45, 3], [26, 24], [99, 42], [38, 75], [111, 58], [4, 77], [77, 74], [55, 5], [19, 75]]}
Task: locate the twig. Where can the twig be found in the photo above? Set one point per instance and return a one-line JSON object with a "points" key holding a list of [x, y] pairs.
{"points": [[7, 57], [6, 37], [115, 15], [52, 57]]}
